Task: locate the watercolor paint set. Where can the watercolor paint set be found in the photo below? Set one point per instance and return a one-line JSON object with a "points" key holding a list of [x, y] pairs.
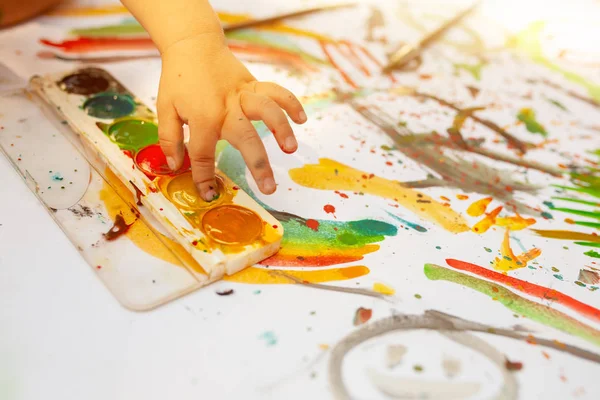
{"points": [[89, 150]]}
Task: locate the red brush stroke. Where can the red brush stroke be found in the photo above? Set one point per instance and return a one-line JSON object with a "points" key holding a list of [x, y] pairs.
{"points": [[335, 65], [528, 288], [87, 45]]}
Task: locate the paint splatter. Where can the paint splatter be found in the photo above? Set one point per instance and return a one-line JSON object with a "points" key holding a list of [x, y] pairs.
{"points": [[362, 316], [478, 207], [383, 289], [513, 365], [119, 228], [527, 116], [418, 368], [227, 292], [531, 289], [56, 177], [462, 197], [394, 354], [508, 261], [329, 209], [269, 338], [312, 224], [588, 277], [530, 309]]}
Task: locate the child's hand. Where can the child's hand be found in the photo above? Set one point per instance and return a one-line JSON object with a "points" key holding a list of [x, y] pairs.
{"points": [[204, 85]]}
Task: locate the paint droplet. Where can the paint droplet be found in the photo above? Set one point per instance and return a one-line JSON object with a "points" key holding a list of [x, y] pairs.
{"points": [[418, 368], [329, 209], [257, 291], [269, 338], [558, 276], [513, 366], [313, 224], [99, 267], [324, 346], [438, 247], [488, 249], [225, 292], [546, 355], [418, 296], [478, 207], [462, 197], [383, 289], [362, 315]]}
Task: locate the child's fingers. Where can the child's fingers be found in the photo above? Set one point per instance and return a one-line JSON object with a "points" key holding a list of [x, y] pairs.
{"points": [[241, 134], [170, 134], [258, 107], [203, 142], [284, 98]]}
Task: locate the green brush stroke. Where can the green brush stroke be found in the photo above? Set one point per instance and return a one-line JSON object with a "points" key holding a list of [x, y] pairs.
{"points": [[527, 116], [587, 203], [592, 253], [127, 28], [473, 69], [528, 41], [595, 225], [587, 190], [589, 214], [517, 304], [588, 244]]}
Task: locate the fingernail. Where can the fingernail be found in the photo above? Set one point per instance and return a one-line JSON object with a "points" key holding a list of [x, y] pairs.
{"points": [[268, 185], [302, 117], [171, 163], [210, 195], [291, 144]]}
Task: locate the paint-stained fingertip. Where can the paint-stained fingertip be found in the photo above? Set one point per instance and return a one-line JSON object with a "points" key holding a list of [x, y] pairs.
{"points": [[210, 195], [268, 186]]}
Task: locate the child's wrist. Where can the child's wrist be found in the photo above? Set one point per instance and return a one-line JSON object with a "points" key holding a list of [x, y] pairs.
{"points": [[206, 42]]}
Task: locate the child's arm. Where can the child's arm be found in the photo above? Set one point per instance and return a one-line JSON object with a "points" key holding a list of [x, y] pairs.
{"points": [[204, 85]]}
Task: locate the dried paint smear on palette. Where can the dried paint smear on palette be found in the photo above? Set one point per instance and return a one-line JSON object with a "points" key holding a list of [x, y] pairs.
{"points": [[223, 236]]}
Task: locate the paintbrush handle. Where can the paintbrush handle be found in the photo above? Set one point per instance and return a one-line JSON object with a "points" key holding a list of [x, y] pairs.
{"points": [[277, 18], [408, 53]]}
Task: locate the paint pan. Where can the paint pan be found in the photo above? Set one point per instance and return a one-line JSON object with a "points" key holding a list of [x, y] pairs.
{"points": [[105, 182]]}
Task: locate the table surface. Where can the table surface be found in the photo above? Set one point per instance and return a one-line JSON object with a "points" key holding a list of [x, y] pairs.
{"points": [[63, 336]]}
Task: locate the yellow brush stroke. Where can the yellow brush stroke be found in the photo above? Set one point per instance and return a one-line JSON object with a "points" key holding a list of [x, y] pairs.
{"points": [[87, 11], [509, 261], [332, 175], [166, 249], [224, 17], [383, 289], [256, 275]]}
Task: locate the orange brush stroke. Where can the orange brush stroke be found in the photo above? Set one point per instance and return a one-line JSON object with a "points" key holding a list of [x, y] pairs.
{"points": [[509, 261]]}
